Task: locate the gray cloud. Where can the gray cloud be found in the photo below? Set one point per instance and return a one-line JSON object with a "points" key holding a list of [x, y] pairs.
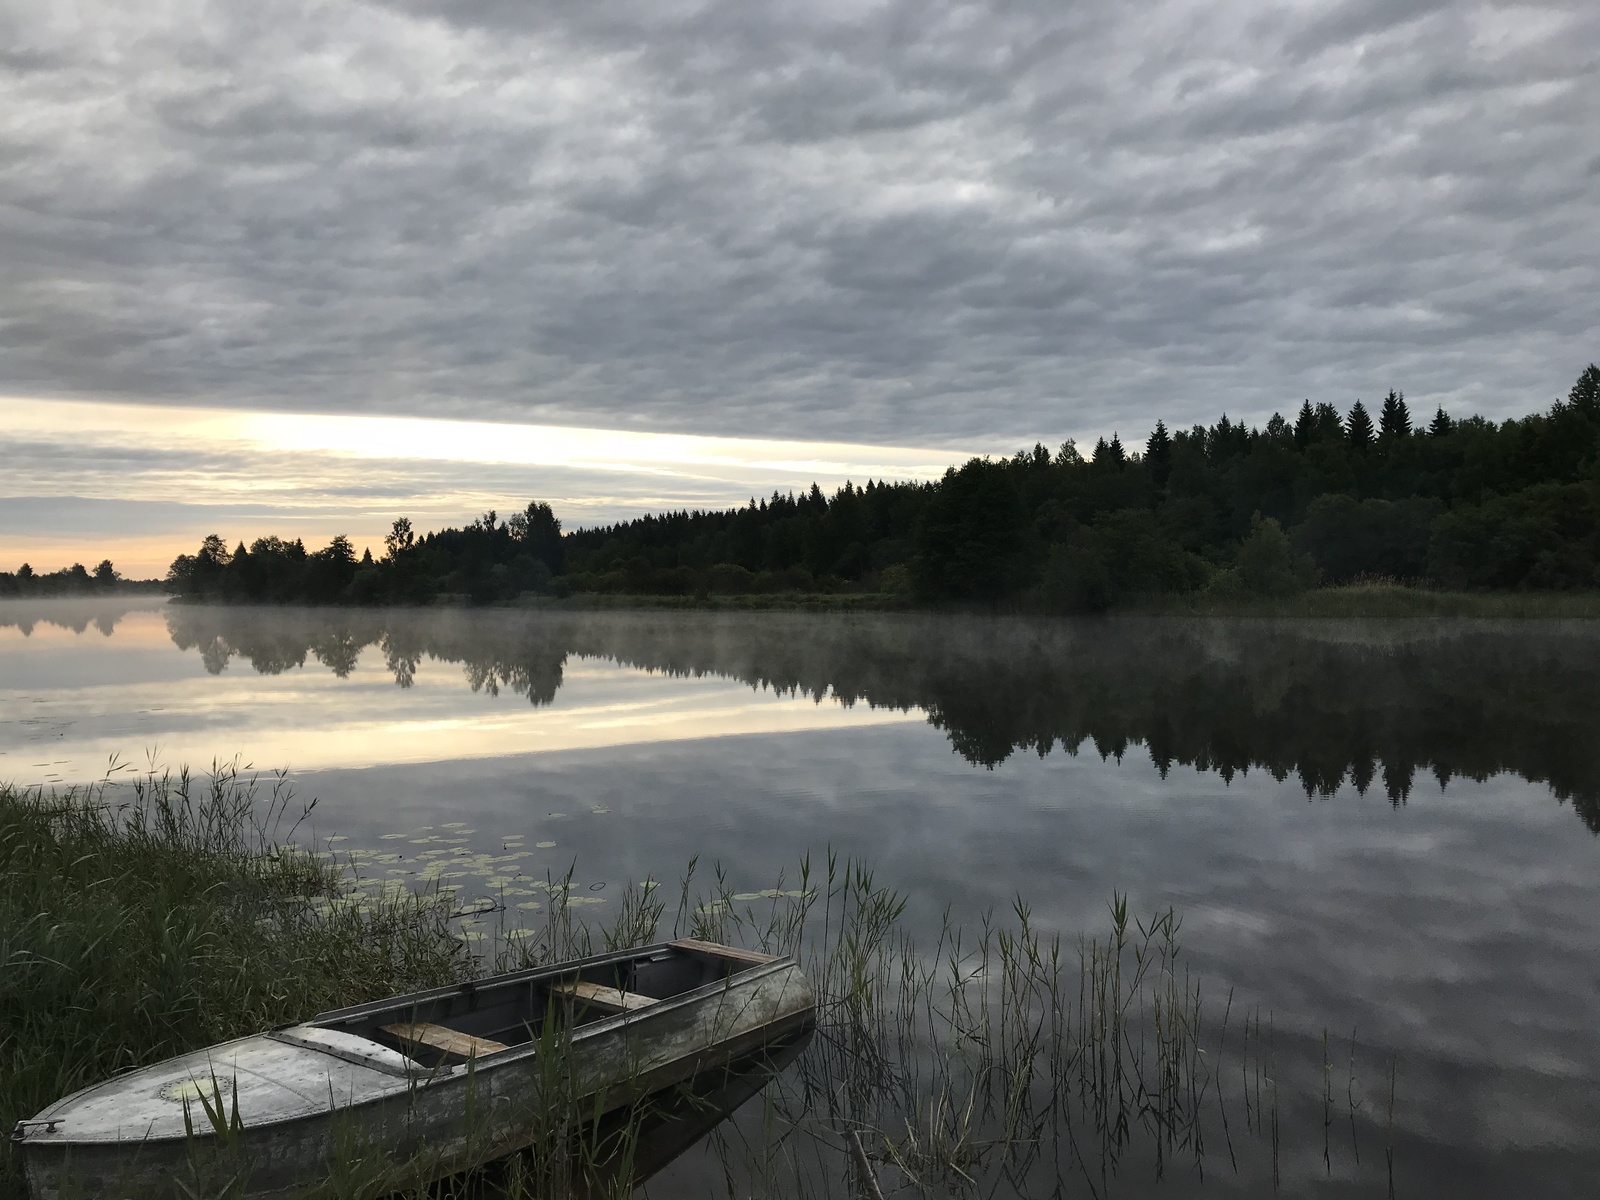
{"points": [[902, 222]]}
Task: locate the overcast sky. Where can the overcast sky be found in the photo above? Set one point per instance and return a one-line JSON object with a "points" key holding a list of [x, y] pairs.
{"points": [[910, 224]]}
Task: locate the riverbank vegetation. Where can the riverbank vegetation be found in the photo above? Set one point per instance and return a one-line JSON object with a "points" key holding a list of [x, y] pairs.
{"points": [[76, 580], [996, 1061], [169, 920], [1216, 515]]}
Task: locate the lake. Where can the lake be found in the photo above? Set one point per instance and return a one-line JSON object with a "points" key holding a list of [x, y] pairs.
{"points": [[1379, 836]]}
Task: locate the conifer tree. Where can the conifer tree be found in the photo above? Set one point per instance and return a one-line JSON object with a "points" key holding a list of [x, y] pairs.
{"points": [[1585, 394], [1358, 427], [1158, 454], [1329, 428], [1305, 426], [1441, 423], [1394, 422], [1116, 456]]}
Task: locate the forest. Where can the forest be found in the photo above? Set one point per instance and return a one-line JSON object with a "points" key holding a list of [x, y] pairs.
{"points": [[1225, 510], [75, 580]]}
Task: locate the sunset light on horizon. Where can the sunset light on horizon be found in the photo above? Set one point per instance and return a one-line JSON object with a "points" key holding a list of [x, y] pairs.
{"points": [[144, 483]]}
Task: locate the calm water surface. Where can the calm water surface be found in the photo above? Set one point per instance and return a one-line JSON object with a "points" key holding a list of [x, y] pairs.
{"points": [[1381, 831]]}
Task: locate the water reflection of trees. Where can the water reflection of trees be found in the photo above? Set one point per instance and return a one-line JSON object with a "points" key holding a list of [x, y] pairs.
{"points": [[1376, 704]]}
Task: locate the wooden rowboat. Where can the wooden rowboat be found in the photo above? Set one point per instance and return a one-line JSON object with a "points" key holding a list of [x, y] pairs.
{"points": [[436, 1082]]}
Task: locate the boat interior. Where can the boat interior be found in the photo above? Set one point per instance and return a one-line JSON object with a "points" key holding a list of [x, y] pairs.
{"points": [[450, 1026]]}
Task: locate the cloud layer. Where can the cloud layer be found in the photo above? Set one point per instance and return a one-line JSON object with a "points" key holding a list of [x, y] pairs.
{"points": [[908, 222]]}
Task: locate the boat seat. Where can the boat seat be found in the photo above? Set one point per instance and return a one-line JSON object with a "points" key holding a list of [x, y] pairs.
{"points": [[597, 995], [442, 1037], [737, 954]]}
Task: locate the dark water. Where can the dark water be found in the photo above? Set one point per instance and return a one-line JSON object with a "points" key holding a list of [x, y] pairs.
{"points": [[1382, 834]]}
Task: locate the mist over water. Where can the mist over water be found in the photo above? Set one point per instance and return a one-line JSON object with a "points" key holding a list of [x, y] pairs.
{"points": [[1382, 830]]}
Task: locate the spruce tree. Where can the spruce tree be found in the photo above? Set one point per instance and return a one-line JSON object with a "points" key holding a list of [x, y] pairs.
{"points": [[1394, 422], [1115, 454], [1441, 423], [1358, 427], [1585, 394], [1158, 454], [1305, 426], [1329, 428]]}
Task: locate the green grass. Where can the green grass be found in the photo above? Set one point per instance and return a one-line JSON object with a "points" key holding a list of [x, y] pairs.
{"points": [[763, 602], [1367, 599], [133, 932], [1385, 599]]}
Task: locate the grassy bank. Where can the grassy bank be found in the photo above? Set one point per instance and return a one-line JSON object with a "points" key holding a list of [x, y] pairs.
{"points": [[1388, 600], [1373, 600], [135, 931]]}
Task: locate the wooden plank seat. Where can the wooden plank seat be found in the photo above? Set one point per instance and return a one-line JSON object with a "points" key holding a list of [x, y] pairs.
{"points": [[596, 995], [443, 1038], [716, 949]]}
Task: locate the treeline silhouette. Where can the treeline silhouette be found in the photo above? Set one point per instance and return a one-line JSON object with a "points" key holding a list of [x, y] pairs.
{"points": [[75, 580], [1229, 510], [1373, 705]]}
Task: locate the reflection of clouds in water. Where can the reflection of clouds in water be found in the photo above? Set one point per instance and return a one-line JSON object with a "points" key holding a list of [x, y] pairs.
{"points": [[1457, 933]]}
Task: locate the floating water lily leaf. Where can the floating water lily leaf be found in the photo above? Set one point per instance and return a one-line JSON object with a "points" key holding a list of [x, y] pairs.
{"points": [[545, 845]]}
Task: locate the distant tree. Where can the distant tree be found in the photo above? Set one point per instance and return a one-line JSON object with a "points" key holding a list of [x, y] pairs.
{"points": [[538, 529], [1278, 430], [339, 550], [1585, 394], [329, 571], [1158, 454], [1305, 426], [1327, 425], [399, 539], [24, 572], [1441, 423], [1110, 455], [1069, 455], [105, 575], [1358, 428], [214, 550], [1394, 422], [971, 536], [1266, 564], [1348, 538]]}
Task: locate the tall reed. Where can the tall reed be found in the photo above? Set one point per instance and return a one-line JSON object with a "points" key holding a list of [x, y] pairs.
{"points": [[140, 921]]}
